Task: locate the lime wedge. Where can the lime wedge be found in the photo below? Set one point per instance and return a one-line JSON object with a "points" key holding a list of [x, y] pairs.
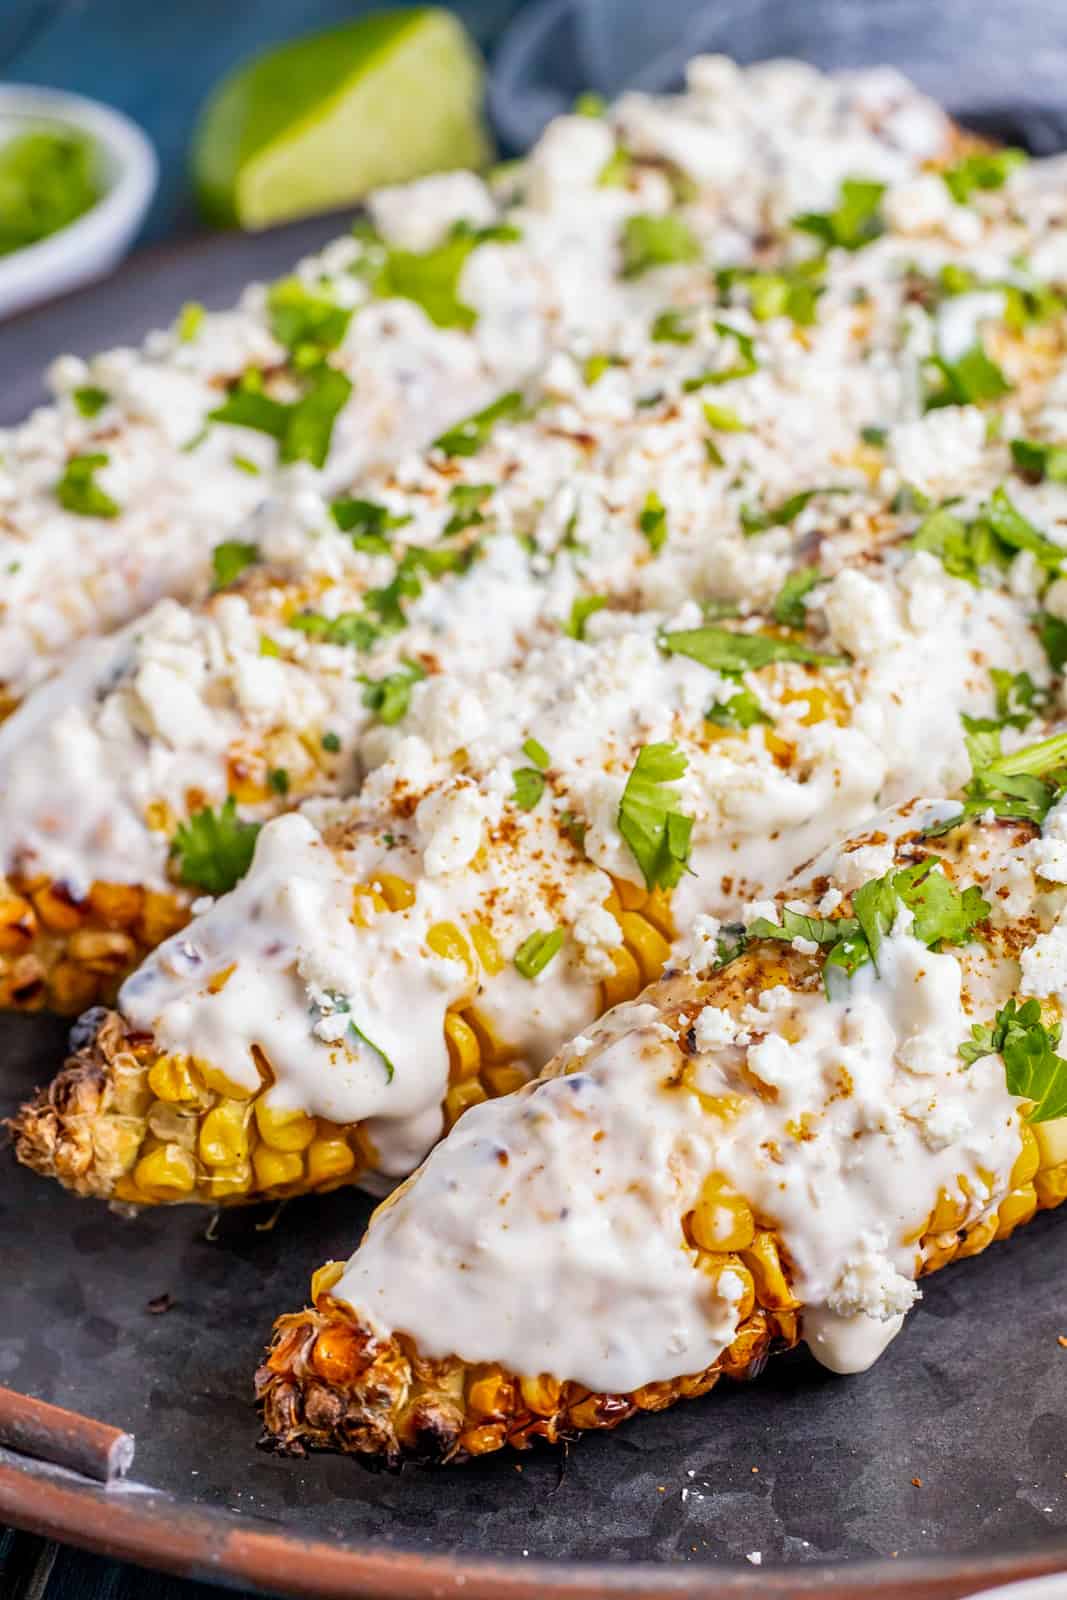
{"points": [[320, 121]]}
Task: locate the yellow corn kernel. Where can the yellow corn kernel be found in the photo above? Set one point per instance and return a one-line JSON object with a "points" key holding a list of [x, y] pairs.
{"points": [[57, 911], [218, 980], [626, 981], [1051, 1186], [646, 943], [489, 1393], [161, 915], [764, 1263], [397, 893], [166, 1173], [169, 1078], [224, 1134], [938, 1250], [284, 1129], [541, 1394], [460, 1098], [1016, 1209], [329, 1159], [464, 1052], [657, 910], [366, 901], [173, 1124], [219, 1083], [721, 1219], [225, 1182], [325, 1277], [741, 1286], [102, 951], [487, 949], [159, 818], [503, 1080], [777, 746], [612, 903], [72, 988], [494, 1047], [947, 1215], [632, 896], [982, 1234], [130, 1092], [276, 1168], [825, 703], [127, 1191], [1051, 1139], [1029, 1158], [484, 1440], [445, 940], [117, 905], [18, 924]]}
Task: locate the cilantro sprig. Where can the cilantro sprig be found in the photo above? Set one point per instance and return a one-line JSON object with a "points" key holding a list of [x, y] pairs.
{"points": [[649, 241], [789, 292], [389, 697], [530, 781], [78, 491], [854, 222], [309, 325], [1037, 460], [982, 170], [466, 438], [367, 523], [969, 550], [229, 559], [304, 427], [535, 953], [213, 849], [1023, 785], [649, 818], [1032, 1067], [722, 650]]}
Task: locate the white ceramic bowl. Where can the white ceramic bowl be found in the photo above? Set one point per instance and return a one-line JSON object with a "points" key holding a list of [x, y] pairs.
{"points": [[94, 243]]}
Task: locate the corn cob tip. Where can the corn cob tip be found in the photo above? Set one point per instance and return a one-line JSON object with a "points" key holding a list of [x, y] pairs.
{"points": [[53, 1132]]}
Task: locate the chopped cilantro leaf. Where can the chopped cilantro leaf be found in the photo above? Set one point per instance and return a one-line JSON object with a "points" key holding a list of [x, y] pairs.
{"points": [[792, 292], [368, 523], [582, 609], [230, 558], [722, 650], [537, 754], [468, 499], [1023, 785], [89, 400], [431, 277], [309, 325], [249, 408], [796, 925], [190, 321], [529, 787], [743, 365], [78, 491], [309, 426], [390, 696], [984, 169], [331, 742], [853, 222], [656, 241], [742, 710], [590, 104], [347, 628], [653, 522], [649, 820], [758, 519], [1036, 459], [672, 327], [1028, 1047], [278, 780], [789, 608], [467, 438], [874, 436], [535, 953], [1052, 631], [214, 848], [968, 381], [1018, 701]]}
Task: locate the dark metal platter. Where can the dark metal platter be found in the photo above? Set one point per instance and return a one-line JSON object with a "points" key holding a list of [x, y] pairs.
{"points": [[971, 1399]]}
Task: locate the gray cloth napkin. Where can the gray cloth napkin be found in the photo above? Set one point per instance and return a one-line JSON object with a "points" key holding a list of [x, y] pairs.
{"points": [[999, 65]]}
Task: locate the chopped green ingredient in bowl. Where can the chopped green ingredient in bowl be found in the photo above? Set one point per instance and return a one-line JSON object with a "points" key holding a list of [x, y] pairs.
{"points": [[48, 178]]}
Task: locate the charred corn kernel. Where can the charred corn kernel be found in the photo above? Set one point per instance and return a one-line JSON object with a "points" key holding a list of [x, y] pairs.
{"points": [[646, 943], [1051, 1140], [778, 747], [487, 949], [626, 981], [764, 1263], [337, 1354], [173, 1124], [446, 940], [276, 1168], [494, 1047], [464, 1051], [978, 1237], [325, 1277], [116, 1142], [947, 1215], [743, 1346], [1029, 1158], [166, 1173], [740, 1285], [101, 951], [586, 1413], [118, 905], [938, 1249], [1015, 1210], [131, 1093], [329, 1159], [489, 1393], [224, 1134], [57, 911], [540, 1395], [284, 1129], [503, 1080], [721, 1220], [654, 1396], [223, 1183], [613, 903], [657, 910], [632, 896], [127, 1191], [160, 915], [170, 1079], [18, 923], [73, 988], [1051, 1185], [219, 1083], [397, 893], [482, 1441], [460, 1098]]}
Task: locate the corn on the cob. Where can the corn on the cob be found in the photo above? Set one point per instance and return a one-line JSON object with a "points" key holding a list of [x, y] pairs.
{"points": [[772, 1152], [425, 322]]}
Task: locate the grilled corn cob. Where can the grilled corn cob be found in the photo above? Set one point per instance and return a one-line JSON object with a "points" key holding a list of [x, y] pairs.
{"points": [[772, 1152], [116, 494]]}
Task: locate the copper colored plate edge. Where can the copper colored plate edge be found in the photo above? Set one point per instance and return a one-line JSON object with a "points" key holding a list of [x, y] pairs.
{"points": [[155, 1531]]}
